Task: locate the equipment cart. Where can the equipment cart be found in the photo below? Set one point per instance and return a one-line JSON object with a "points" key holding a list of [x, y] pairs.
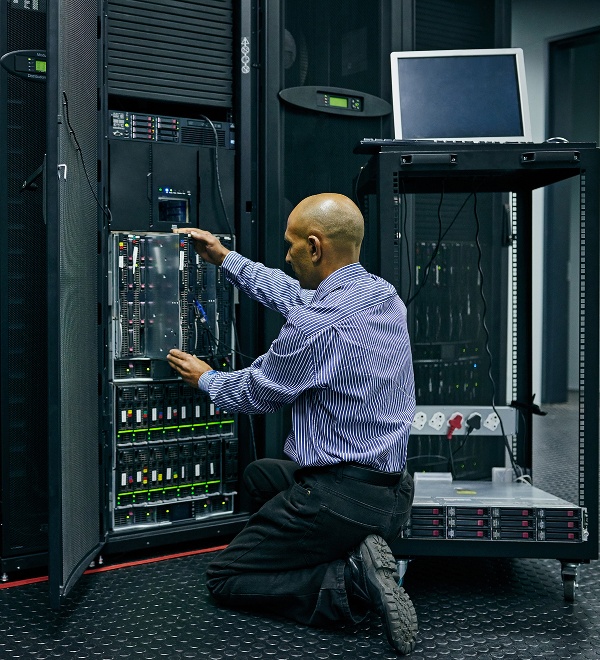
{"points": [[503, 516]]}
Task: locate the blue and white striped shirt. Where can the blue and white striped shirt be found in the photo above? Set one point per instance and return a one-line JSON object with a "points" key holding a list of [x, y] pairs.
{"points": [[342, 359]]}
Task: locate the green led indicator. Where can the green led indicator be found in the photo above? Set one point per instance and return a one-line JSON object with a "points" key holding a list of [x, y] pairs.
{"points": [[40, 65]]}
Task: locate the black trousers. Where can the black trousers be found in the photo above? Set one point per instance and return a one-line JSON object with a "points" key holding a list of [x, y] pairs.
{"points": [[290, 557]]}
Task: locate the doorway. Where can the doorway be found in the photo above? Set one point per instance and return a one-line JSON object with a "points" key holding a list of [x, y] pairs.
{"points": [[574, 114]]}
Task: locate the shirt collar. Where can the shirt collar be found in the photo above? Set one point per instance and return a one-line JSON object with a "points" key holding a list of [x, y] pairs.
{"points": [[338, 279]]}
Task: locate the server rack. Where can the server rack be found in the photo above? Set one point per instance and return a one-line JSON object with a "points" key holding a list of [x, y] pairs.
{"points": [[175, 154], [492, 518], [340, 50], [174, 453], [143, 137]]}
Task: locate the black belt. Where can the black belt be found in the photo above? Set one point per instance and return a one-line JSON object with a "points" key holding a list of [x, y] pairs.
{"points": [[371, 476]]}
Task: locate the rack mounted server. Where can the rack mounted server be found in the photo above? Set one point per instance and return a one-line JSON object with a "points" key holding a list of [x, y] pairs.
{"points": [[493, 512]]}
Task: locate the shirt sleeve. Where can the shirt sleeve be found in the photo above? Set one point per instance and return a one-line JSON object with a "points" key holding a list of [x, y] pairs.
{"points": [[271, 381], [206, 379], [269, 286]]}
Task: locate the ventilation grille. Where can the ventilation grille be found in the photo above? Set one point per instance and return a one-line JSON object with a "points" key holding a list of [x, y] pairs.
{"points": [[201, 136], [444, 24], [179, 51], [23, 331]]}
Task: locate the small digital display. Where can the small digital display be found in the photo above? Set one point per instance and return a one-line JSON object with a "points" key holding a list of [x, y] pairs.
{"points": [[173, 211], [40, 65], [338, 102]]}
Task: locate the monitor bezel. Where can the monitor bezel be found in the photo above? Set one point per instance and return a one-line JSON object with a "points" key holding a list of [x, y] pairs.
{"points": [[516, 53]]}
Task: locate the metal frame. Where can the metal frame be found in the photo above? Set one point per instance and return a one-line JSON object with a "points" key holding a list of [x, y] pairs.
{"points": [[519, 169]]}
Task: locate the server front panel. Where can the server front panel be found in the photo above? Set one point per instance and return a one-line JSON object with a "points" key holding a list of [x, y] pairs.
{"points": [[174, 452]]}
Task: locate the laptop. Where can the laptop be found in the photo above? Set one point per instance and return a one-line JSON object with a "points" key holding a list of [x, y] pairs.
{"points": [[476, 95]]}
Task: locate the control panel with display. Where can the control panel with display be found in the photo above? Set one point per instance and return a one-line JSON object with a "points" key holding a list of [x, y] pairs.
{"points": [[336, 101], [28, 64], [352, 103]]}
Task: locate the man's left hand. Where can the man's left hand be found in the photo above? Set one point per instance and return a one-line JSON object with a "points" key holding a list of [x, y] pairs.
{"points": [[189, 367]]}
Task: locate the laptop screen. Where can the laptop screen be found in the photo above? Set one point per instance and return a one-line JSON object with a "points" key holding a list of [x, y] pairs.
{"points": [[474, 95]]}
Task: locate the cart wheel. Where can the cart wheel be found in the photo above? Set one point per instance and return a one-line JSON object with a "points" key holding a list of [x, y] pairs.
{"points": [[570, 574], [569, 586]]}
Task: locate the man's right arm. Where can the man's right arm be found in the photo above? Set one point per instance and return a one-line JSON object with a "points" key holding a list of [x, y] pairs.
{"points": [[269, 286]]}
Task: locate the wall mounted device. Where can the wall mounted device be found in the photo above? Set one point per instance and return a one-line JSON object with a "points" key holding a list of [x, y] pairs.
{"points": [[336, 100], [28, 64]]}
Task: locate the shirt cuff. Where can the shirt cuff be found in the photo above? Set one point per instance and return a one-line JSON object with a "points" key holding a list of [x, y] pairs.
{"points": [[206, 379]]}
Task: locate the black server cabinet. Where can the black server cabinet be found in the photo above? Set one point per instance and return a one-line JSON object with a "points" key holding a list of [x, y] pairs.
{"points": [[175, 154], [23, 308], [326, 85], [177, 479]]}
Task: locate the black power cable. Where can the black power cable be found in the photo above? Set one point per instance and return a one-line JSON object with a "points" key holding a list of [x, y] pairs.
{"points": [[217, 173], [105, 210], [441, 236], [519, 472]]}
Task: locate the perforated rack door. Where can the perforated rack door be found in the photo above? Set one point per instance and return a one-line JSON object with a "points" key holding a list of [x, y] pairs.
{"points": [[72, 221], [23, 380]]}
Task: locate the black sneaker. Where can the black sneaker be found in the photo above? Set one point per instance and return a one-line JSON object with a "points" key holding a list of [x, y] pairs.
{"points": [[375, 581]]}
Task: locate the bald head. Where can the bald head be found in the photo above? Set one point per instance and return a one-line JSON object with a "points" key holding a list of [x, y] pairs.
{"points": [[324, 233], [336, 216]]}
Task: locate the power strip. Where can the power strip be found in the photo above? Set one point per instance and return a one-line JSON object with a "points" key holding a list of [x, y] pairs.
{"points": [[456, 420]]}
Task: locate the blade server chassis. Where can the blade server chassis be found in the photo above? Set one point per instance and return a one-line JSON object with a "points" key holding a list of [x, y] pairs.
{"points": [[175, 454]]}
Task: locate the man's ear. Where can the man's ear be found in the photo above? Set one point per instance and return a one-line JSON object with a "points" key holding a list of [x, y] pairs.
{"points": [[314, 243]]}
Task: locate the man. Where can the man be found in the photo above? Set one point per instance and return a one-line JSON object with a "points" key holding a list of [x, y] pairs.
{"points": [[316, 550]]}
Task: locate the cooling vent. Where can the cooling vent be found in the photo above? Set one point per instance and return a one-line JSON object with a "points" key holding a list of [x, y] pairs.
{"points": [[201, 136], [179, 51]]}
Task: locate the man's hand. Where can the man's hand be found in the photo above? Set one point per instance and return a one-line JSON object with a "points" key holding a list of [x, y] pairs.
{"points": [[189, 367], [206, 245]]}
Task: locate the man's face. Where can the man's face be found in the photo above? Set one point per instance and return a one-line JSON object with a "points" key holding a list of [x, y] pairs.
{"points": [[299, 253]]}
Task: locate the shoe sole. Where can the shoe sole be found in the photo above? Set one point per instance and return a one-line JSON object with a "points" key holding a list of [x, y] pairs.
{"points": [[390, 599]]}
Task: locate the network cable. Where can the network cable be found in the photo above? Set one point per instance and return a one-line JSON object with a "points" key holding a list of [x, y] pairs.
{"points": [[436, 249]]}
